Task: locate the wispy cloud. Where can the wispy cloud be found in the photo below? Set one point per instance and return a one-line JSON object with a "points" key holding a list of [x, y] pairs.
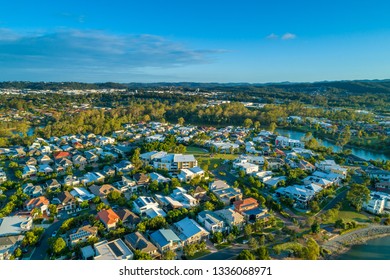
{"points": [[272, 36], [288, 36], [72, 53], [285, 36]]}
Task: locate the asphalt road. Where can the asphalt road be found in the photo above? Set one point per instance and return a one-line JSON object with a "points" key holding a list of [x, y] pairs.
{"points": [[340, 197], [40, 251], [225, 254], [229, 177]]}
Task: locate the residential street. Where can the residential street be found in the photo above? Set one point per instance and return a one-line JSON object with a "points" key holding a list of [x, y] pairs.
{"points": [[226, 254], [40, 251], [340, 197]]}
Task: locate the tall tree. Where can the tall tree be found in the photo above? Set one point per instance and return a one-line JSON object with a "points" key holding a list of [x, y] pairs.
{"points": [[246, 255], [135, 158], [344, 137], [248, 123], [257, 125], [180, 121], [358, 195], [169, 255], [248, 230], [272, 127], [313, 250], [262, 253], [58, 245]]}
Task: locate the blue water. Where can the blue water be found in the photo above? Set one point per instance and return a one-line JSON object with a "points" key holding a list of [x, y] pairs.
{"points": [[362, 153], [374, 249]]}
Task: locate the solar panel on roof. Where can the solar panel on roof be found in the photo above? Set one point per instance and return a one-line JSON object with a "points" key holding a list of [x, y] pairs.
{"points": [[115, 249]]}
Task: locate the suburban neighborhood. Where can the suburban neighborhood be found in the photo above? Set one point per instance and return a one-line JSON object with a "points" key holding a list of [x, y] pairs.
{"points": [[157, 190]]}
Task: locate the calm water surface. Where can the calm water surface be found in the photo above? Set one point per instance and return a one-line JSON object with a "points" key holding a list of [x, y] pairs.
{"points": [[362, 153], [375, 249]]}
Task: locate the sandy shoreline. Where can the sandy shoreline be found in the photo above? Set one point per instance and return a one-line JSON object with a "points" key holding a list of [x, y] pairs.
{"points": [[343, 243]]}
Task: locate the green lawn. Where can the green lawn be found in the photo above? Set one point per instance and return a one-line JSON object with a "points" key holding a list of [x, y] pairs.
{"points": [[295, 246], [212, 161], [353, 215], [202, 155], [216, 159], [225, 156], [222, 246], [349, 214], [196, 150]]}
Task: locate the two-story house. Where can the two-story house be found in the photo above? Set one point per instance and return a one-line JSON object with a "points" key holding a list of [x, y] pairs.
{"points": [[189, 231], [212, 222]]}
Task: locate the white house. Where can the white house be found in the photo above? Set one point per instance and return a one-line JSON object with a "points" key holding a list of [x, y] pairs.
{"points": [[144, 203], [158, 177], [81, 194], [112, 250], [92, 177], [378, 204], [155, 137], [149, 157], [187, 175], [211, 221], [282, 141], [223, 146], [175, 162], [326, 165], [28, 171], [184, 198], [300, 194], [104, 140]]}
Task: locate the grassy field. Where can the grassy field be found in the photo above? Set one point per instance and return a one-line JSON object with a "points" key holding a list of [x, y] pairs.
{"points": [[289, 246], [353, 215], [203, 155], [216, 159], [196, 150], [348, 214]]}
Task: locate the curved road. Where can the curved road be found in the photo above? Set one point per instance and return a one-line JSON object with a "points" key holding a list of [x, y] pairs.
{"points": [[340, 197], [40, 251]]}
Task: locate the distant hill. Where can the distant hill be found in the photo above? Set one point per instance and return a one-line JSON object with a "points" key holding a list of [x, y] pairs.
{"points": [[337, 87]]}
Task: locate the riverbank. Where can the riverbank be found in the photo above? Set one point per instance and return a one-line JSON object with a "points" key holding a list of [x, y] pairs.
{"points": [[342, 243], [320, 136], [364, 153]]}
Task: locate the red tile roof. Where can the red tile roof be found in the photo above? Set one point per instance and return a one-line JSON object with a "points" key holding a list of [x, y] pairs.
{"points": [[245, 204], [37, 202], [108, 217], [61, 154]]}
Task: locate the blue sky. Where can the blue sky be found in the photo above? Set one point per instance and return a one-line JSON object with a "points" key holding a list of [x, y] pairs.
{"points": [[203, 41]]}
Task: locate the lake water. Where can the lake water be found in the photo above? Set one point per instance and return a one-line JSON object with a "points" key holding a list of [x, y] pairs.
{"points": [[374, 249], [362, 153]]}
